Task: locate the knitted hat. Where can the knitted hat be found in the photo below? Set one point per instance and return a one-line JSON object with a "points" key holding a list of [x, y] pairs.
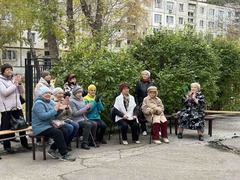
{"points": [[70, 76], [57, 90], [123, 85], [152, 88], [5, 66], [147, 72], [91, 87], [44, 89], [77, 89], [45, 73]]}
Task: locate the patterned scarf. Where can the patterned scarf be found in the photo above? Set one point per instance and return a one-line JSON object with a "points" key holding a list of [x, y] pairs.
{"points": [[126, 101]]}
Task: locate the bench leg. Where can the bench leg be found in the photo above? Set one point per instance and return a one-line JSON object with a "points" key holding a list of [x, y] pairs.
{"points": [[170, 125], [176, 126], [110, 131], [210, 128], [44, 149], [33, 149]]}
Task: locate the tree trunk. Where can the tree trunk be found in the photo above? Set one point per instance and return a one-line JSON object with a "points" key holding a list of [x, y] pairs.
{"points": [[71, 24]]}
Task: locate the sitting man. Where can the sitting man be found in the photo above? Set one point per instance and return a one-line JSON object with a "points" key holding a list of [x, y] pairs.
{"points": [[125, 110]]}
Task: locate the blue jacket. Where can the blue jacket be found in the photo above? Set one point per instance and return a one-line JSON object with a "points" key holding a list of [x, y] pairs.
{"points": [[43, 112], [93, 112]]}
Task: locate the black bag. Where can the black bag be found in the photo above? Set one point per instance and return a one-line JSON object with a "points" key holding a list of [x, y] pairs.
{"points": [[18, 123], [22, 100]]}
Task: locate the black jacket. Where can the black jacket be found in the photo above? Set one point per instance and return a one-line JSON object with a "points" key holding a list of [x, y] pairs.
{"points": [[141, 90]]}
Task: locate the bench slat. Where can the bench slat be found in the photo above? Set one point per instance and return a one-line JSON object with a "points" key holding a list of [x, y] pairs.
{"points": [[3, 132]]}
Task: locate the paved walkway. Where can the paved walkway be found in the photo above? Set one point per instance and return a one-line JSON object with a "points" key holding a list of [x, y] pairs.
{"points": [[180, 159]]}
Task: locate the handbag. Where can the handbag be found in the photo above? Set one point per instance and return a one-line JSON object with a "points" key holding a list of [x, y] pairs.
{"points": [[57, 123], [18, 123]]}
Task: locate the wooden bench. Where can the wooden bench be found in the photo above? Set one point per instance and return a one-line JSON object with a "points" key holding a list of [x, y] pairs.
{"points": [[208, 118], [4, 132]]}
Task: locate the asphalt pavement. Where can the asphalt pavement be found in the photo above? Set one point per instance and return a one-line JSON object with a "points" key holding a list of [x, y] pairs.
{"points": [[216, 158]]}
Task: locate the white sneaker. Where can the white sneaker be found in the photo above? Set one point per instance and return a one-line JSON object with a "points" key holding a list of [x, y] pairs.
{"points": [[165, 140], [144, 133], [125, 142], [157, 142], [137, 142]]}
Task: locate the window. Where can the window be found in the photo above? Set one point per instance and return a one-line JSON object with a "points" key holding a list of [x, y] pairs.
{"points": [[211, 12], [169, 20], [201, 10], [170, 5], [220, 15], [9, 55], [180, 7], [32, 37], [180, 20], [191, 7], [201, 23], [211, 25], [157, 18], [158, 3], [190, 20], [46, 45], [220, 26], [190, 14], [118, 44], [129, 42], [229, 14]]}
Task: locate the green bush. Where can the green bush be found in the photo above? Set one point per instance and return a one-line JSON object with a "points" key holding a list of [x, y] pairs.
{"points": [[177, 59], [102, 68]]}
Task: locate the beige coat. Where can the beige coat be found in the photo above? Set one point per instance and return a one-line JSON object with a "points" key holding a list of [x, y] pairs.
{"points": [[153, 103]]}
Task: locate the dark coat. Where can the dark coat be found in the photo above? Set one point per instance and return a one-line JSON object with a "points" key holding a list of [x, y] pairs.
{"points": [[192, 114], [141, 90]]}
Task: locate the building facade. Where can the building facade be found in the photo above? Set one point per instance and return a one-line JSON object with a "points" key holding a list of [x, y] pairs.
{"points": [[206, 18]]}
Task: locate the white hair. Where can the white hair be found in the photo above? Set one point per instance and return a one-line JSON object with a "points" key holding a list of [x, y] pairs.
{"points": [[197, 85]]}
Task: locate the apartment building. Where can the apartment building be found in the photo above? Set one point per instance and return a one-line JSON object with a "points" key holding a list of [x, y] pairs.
{"points": [[202, 16]]}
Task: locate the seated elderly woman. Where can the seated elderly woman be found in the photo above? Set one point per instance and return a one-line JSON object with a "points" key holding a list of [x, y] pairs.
{"points": [[125, 110], [69, 125], [153, 110], [43, 112], [192, 113], [79, 110]]}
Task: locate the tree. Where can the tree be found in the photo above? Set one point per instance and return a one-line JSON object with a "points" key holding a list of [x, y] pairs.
{"points": [[228, 83], [105, 18], [70, 23]]}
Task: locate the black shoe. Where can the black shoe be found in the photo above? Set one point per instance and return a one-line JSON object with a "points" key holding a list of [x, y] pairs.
{"points": [[103, 141], [10, 150], [69, 148], [28, 147], [93, 145], [85, 146], [200, 138], [179, 135]]}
